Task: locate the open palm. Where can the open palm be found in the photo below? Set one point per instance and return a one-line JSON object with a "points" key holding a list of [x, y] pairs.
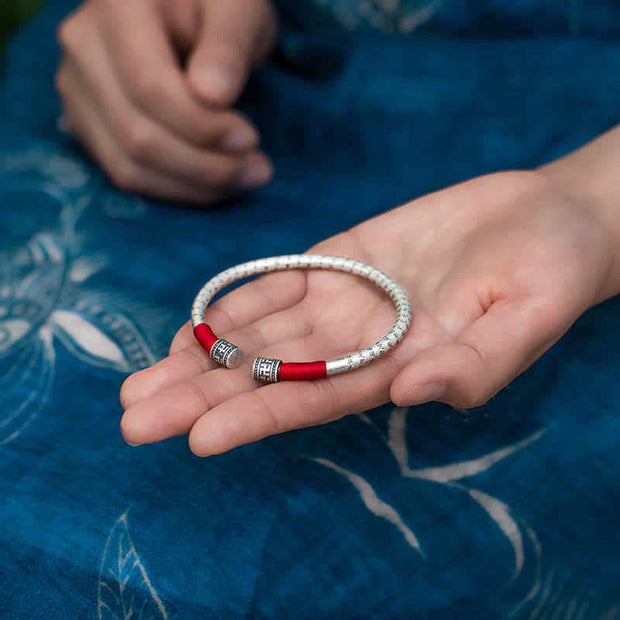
{"points": [[497, 269]]}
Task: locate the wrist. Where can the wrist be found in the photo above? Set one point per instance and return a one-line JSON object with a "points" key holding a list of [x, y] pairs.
{"points": [[590, 177]]}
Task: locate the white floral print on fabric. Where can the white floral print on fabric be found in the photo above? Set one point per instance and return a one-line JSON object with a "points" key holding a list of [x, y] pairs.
{"points": [[556, 598], [124, 589], [43, 300], [402, 16], [453, 475]]}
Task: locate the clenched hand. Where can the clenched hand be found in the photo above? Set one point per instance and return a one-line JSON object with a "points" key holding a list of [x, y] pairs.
{"points": [[147, 87]]}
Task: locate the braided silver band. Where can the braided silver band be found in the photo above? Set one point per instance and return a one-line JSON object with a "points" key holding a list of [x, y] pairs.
{"points": [[264, 372]]}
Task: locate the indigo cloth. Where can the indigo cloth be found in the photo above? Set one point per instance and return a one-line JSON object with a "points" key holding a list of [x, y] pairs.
{"points": [[507, 511]]}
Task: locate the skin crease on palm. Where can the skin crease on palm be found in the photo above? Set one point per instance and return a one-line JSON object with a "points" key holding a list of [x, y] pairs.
{"points": [[497, 269]]}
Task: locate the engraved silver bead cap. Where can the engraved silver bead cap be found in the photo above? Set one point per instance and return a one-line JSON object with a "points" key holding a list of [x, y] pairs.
{"points": [[265, 369], [226, 353]]}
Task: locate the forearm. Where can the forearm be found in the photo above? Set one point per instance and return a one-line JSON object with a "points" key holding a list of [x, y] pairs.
{"points": [[591, 174]]}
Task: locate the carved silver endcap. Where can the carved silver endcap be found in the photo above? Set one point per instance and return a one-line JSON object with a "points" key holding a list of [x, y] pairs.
{"points": [[266, 369], [226, 353]]}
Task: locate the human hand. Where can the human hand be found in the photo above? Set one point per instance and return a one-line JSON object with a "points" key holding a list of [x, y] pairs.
{"points": [[147, 87], [497, 269]]}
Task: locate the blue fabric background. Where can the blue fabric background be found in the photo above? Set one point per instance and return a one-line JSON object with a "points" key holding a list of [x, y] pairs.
{"points": [[510, 510]]}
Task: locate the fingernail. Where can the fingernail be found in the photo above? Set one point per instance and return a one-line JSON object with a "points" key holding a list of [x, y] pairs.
{"points": [[427, 392], [133, 445], [240, 139], [256, 174], [217, 83]]}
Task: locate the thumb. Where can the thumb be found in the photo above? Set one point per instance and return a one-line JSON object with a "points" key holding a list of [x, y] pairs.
{"points": [[483, 359], [234, 35]]}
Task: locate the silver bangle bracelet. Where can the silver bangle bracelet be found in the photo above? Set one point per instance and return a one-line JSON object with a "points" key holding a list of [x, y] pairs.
{"points": [[272, 370]]}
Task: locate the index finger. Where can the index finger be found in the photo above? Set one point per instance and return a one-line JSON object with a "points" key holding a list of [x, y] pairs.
{"points": [[252, 301], [139, 45]]}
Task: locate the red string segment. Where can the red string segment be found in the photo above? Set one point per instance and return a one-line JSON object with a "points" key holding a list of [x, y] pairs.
{"points": [[205, 336], [301, 371]]}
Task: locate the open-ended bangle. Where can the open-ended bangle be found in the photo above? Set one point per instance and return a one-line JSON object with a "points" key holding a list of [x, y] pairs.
{"points": [[274, 370]]}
